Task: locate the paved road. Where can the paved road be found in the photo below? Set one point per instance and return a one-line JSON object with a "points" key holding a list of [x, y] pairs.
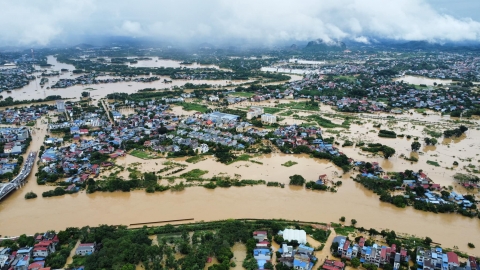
{"points": [[20, 178]]}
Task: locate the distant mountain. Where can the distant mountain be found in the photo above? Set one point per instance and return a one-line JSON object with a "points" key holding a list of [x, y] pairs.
{"points": [[294, 47], [321, 45]]}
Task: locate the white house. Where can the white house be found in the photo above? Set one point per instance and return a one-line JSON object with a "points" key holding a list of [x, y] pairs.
{"points": [[269, 118], [85, 249], [254, 112]]}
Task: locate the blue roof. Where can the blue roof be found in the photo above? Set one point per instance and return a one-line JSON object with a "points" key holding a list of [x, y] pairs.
{"points": [[305, 247], [298, 263], [445, 258], [261, 263]]}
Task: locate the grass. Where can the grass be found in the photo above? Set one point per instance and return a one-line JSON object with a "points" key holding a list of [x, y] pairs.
{"points": [[141, 154], [344, 230], [286, 113], [434, 163], [195, 159], [289, 163], [346, 78], [30, 124], [195, 173], [271, 110], [243, 94], [298, 106], [243, 157], [194, 107], [326, 123]]}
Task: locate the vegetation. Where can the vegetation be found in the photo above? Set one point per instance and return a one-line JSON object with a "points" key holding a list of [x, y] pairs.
{"points": [[194, 107], [289, 163], [30, 195], [297, 180], [434, 163], [387, 134], [378, 147], [457, 132]]}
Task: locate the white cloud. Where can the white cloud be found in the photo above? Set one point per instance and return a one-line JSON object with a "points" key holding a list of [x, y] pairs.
{"points": [[266, 22]]}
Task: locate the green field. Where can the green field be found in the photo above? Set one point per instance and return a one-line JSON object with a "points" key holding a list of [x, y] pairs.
{"points": [[194, 107], [271, 110], [299, 106], [142, 154], [242, 94]]}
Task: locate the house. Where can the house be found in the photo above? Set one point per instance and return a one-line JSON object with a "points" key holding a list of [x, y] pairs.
{"points": [[260, 235], [85, 249], [452, 260], [299, 235], [333, 265], [43, 248], [269, 118]]}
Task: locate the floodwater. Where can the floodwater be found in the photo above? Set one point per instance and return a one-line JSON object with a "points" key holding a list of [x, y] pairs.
{"points": [[417, 80], [34, 91]]}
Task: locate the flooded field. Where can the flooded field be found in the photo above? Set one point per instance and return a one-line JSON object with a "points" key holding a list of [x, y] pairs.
{"points": [[417, 80]]}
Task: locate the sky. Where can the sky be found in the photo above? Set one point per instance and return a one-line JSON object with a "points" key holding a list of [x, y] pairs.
{"points": [[265, 22]]}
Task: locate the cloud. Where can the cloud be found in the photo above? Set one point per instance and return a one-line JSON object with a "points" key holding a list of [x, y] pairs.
{"points": [[26, 22]]}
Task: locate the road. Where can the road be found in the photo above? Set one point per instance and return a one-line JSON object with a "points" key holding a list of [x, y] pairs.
{"points": [[20, 178]]}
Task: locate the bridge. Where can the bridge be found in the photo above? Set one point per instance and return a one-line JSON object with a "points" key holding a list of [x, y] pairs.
{"points": [[19, 180]]}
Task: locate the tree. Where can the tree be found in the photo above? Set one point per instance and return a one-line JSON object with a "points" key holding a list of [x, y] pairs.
{"points": [[342, 219], [427, 241], [355, 262], [85, 94], [353, 221], [268, 265], [416, 146], [387, 151], [297, 180], [250, 264]]}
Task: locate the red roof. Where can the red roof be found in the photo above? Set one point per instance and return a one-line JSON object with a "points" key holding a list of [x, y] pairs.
{"points": [[452, 257], [259, 232]]}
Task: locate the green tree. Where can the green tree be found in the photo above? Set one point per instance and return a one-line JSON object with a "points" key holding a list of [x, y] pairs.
{"points": [[353, 221], [355, 262], [297, 180], [342, 219], [427, 241], [416, 146], [387, 151], [250, 264]]}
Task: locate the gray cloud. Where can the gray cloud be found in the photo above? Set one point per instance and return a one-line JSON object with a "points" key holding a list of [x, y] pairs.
{"points": [[26, 22]]}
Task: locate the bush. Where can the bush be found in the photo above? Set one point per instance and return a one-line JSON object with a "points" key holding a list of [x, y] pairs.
{"points": [[470, 245], [387, 134], [30, 195], [297, 180]]}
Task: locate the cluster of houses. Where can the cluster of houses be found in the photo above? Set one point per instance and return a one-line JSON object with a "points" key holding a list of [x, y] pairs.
{"points": [[33, 258], [375, 254], [14, 78], [295, 135], [22, 116], [14, 140], [301, 258], [436, 259], [74, 159]]}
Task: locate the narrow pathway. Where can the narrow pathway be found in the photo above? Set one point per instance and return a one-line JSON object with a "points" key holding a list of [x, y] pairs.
{"points": [[107, 110]]}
